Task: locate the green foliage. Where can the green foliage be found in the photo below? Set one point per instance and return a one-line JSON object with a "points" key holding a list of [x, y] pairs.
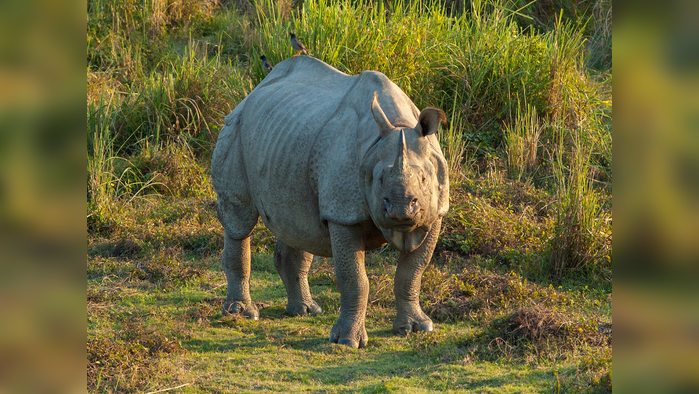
{"points": [[580, 240], [522, 140], [155, 292], [100, 168], [527, 91], [453, 144], [592, 17], [478, 62]]}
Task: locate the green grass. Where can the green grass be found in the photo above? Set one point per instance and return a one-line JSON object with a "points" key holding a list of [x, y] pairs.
{"points": [[520, 284], [154, 320]]}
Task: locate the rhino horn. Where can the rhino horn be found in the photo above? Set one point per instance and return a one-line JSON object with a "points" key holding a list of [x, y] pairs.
{"points": [[401, 165], [385, 127]]}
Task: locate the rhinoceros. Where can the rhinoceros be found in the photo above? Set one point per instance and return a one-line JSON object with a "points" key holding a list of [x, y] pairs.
{"points": [[334, 165]]}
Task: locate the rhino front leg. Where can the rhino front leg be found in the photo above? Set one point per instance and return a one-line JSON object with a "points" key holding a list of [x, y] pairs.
{"points": [[236, 266], [406, 287], [293, 265], [348, 256]]}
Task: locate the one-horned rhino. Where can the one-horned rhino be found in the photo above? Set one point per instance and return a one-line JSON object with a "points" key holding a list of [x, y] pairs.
{"points": [[332, 173]]}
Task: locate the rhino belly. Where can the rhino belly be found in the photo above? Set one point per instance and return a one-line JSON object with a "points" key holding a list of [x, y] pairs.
{"points": [[293, 220]]}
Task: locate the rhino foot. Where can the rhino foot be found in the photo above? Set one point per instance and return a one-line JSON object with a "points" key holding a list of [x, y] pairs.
{"points": [[239, 307], [408, 324], [300, 309], [354, 336]]}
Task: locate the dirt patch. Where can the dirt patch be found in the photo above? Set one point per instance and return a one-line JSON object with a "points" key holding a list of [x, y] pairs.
{"points": [[96, 296], [203, 311], [322, 275], [125, 248], [478, 294], [100, 301], [381, 290], [541, 331], [531, 324]]}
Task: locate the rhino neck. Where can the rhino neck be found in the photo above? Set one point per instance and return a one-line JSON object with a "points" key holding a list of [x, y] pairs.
{"points": [[406, 242]]}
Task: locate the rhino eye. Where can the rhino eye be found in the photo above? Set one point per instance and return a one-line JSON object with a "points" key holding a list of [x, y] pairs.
{"points": [[381, 180]]}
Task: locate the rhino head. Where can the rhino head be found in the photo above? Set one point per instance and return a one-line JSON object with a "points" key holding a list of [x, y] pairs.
{"points": [[405, 178]]}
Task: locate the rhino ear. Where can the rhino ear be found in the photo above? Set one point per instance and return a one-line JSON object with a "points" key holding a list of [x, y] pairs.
{"points": [[385, 127], [429, 121]]}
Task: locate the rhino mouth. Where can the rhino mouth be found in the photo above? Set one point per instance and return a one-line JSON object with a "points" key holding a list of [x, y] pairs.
{"points": [[405, 241], [403, 227]]}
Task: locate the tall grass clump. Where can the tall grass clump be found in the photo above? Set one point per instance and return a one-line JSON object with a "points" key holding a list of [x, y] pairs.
{"points": [[162, 74], [128, 35], [109, 181], [168, 169], [482, 61], [600, 41], [354, 36], [577, 244], [184, 99], [100, 155], [522, 140], [576, 142], [454, 148]]}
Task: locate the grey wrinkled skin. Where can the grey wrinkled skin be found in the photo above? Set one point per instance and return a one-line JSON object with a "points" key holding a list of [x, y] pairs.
{"points": [[334, 165]]}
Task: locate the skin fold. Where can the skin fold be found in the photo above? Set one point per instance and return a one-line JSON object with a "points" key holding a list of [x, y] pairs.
{"points": [[334, 165]]}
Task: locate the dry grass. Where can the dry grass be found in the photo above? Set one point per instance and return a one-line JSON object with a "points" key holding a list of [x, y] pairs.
{"points": [[522, 139], [516, 319], [162, 76], [539, 327], [128, 359], [477, 294], [143, 307], [496, 217]]}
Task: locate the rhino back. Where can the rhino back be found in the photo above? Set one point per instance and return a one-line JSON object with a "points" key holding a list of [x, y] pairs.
{"points": [[278, 127]]}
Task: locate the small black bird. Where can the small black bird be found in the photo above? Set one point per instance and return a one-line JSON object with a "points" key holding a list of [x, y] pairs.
{"points": [[297, 45], [265, 64]]}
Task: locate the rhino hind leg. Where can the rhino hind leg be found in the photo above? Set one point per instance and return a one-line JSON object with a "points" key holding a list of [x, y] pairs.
{"points": [[236, 266], [410, 317], [293, 265]]}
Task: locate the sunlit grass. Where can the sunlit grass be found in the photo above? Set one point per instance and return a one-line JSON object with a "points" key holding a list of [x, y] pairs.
{"points": [[522, 139], [155, 291], [527, 92]]}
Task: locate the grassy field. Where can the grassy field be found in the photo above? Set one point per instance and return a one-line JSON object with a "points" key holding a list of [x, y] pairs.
{"points": [[520, 286]]}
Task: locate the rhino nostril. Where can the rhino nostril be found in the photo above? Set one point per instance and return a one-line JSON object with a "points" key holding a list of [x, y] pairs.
{"points": [[387, 204]]}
